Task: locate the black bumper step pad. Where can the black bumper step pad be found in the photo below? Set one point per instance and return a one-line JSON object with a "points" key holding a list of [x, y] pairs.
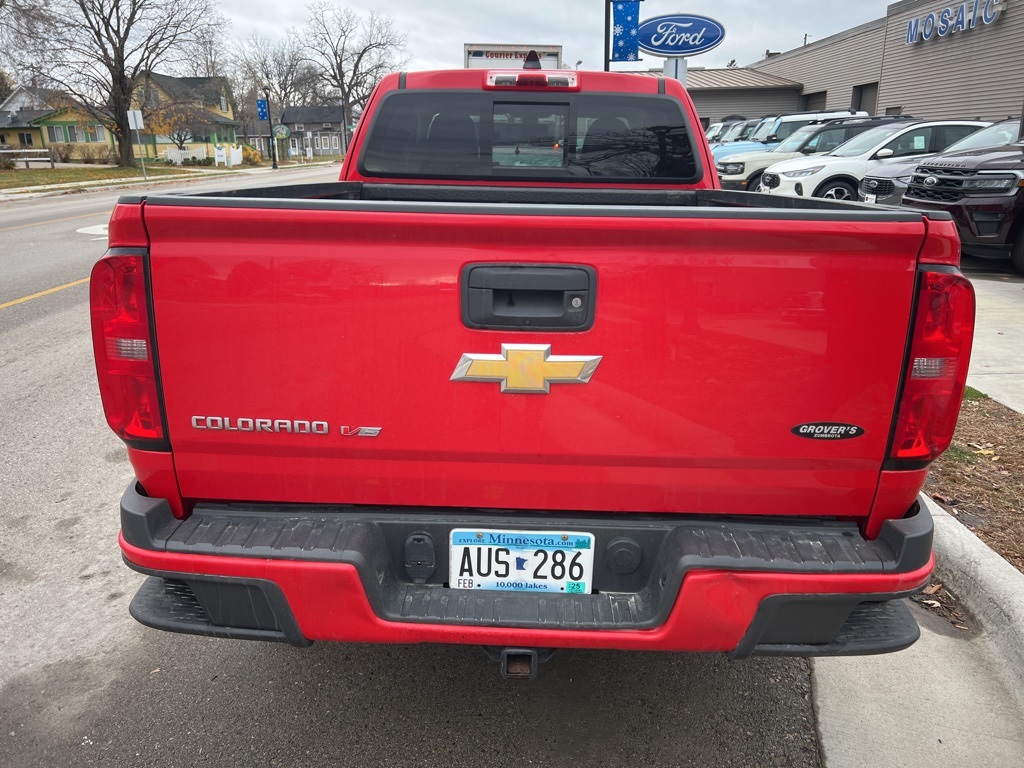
{"points": [[236, 609], [869, 628], [372, 539]]}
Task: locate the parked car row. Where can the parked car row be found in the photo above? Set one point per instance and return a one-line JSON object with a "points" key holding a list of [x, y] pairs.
{"points": [[743, 170], [971, 168]]}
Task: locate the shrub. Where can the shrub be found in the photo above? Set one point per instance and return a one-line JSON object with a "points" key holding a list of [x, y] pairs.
{"points": [[6, 163], [94, 153], [62, 153], [251, 155]]}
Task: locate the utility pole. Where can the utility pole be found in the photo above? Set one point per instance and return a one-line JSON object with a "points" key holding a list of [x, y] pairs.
{"points": [[270, 130], [607, 35]]}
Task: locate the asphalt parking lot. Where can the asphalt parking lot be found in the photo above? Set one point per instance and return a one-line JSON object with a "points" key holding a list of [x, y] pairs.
{"points": [[82, 684]]}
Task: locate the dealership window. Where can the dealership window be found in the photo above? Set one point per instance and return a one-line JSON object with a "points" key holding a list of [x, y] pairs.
{"points": [[25, 139], [814, 102], [55, 134], [865, 98]]}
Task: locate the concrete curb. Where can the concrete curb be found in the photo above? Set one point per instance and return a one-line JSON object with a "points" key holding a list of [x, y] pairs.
{"points": [[990, 588]]}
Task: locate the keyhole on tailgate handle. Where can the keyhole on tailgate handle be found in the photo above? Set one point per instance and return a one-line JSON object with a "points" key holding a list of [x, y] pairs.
{"points": [[577, 302]]}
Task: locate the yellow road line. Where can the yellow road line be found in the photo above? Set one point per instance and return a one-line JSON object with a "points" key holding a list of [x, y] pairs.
{"points": [[23, 299], [55, 221]]}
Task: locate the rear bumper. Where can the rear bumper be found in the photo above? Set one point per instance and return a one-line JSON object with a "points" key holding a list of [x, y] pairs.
{"points": [[743, 586]]}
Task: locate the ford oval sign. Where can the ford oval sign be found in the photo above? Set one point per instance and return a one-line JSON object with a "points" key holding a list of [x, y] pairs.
{"points": [[679, 34]]}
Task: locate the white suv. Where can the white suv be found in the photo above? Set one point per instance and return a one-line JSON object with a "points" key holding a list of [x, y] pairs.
{"points": [[837, 174]]}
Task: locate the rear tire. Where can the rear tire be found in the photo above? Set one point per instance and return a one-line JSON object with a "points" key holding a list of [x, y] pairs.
{"points": [[837, 190], [1017, 253]]}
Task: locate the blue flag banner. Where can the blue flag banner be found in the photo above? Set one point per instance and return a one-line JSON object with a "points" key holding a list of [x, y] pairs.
{"points": [[261, 109], [625, 24]]}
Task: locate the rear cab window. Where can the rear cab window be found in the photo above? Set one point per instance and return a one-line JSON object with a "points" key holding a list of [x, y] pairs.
{"points": [[530, 136]]}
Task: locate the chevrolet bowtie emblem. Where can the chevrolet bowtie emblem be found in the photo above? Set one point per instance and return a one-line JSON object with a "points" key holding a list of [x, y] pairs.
{"points": [[526, 368]]}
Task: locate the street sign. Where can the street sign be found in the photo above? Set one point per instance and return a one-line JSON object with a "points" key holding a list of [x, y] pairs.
{"points": [[135, 120], [262, 112]]}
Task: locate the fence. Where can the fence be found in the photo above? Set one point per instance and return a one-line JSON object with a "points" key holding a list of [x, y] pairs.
{"points": [[177, 156], [25, 156]]}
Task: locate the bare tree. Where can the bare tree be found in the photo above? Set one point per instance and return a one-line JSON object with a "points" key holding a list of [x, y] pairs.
{"points": [[6, 85], [209, 52], [351, 52], [280, 68], [98, 50]]}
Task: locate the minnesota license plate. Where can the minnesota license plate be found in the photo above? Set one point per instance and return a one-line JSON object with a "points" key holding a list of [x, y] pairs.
{"points": [[560, 562]]}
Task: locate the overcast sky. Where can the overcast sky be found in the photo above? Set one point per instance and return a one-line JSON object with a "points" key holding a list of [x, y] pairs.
{"points": [[437, 30]]}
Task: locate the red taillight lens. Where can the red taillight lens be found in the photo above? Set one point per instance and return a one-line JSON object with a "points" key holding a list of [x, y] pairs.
{"points": [[940, 351], [123, 346]]}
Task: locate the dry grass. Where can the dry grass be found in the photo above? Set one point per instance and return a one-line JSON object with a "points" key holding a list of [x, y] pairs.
{"points": [[980, 479], [20, 177]]}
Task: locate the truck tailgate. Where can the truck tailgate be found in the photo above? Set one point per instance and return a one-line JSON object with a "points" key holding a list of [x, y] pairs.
{"points": [[720, 332]]}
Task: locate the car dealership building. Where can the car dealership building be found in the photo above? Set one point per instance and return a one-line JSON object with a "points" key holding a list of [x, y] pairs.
{"points": [[924, 58]]}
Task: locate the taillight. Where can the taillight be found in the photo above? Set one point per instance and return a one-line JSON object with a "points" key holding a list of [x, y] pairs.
{"points": [[123, 346], [940, 350]]}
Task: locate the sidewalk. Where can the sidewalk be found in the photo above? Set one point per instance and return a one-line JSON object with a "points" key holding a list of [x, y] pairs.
{"points": [[997, 365], [194, 174], [956, 697]]}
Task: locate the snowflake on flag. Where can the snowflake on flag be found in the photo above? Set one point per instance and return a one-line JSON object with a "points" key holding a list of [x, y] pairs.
{"points": [[624, 29]]}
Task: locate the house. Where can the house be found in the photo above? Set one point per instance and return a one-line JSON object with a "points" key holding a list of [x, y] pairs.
{"points": [[37, 118], [192, 113], [314, 128]]}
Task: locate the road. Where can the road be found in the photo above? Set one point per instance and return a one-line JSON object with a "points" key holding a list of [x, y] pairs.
{"points": [[82, 684]]}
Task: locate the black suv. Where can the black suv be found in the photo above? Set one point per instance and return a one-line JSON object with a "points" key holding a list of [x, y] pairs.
{"points": [[984, 191]]}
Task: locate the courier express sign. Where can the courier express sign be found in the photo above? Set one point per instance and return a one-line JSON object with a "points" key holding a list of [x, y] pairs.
{"points": [[955, 18]]}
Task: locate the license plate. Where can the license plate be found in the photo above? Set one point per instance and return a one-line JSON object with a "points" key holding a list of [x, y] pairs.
{"points": [[870, 198], [560, 562]]}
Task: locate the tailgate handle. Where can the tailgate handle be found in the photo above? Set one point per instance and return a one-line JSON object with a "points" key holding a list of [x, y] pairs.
{"points": [[528, 297]]}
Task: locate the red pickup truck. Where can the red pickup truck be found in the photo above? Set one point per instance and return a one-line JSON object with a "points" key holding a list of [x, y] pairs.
{"points": [[526, 378]]}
